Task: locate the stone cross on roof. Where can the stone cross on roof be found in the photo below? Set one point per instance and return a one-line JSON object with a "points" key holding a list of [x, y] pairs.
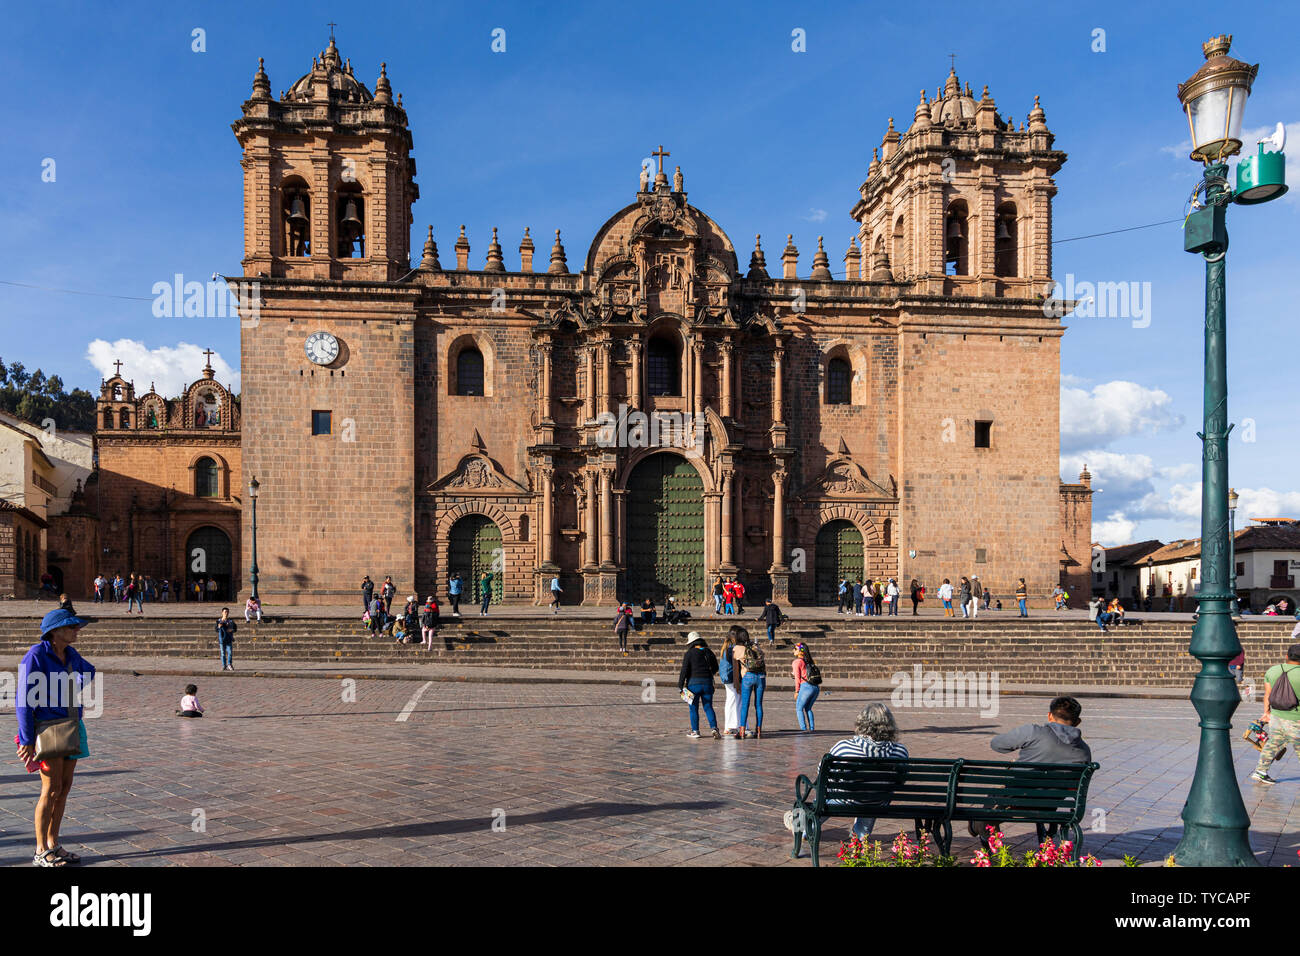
{"points": [[661, 154], [209, 353], [118, 366]]}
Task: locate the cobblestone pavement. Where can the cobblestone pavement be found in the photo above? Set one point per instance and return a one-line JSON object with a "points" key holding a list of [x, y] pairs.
{"points": [[285, 771]]}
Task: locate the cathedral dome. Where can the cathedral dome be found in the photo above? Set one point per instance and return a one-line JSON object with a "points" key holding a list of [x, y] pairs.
{"points": [[956, 107], [343, 86]]}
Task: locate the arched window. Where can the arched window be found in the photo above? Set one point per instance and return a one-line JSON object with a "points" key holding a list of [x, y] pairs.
{"points": [[469, 372], [207, 478], [1006, 242], [898, 257], [124, 417], [108, 418], [350, 225], [839, 378], [956, 241], [663, 367], [295, 204]]}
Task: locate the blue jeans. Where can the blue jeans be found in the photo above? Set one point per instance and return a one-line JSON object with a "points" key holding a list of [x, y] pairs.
{"points": [[1023, 612], [227, 650], [771, 634], [487, 599], [133, 600], [803, 705], [703, 691], [1104, 619], [717, 604], [753, 684], [893, 607]]}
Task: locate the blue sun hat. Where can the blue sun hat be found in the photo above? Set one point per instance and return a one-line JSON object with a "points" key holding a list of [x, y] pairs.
{"points": [[60, 618]]}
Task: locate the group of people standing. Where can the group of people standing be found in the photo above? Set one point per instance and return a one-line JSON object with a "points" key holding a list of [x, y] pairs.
{"points": [[741, 667], [135, 589], [728, 595], [379, 606]]}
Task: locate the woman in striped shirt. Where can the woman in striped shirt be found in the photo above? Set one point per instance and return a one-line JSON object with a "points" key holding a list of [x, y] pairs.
{"points": [[876, 735]]}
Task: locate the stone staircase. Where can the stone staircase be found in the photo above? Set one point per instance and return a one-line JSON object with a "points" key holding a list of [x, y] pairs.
{"points": [[1031, 652]]}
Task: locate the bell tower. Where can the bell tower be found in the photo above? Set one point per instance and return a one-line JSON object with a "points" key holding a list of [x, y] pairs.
{"points": [[329, 180], [961, 203]]}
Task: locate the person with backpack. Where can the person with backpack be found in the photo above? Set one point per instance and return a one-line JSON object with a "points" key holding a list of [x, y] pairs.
{"points": [[695, 683], [1281, 712], [878, 598], [429, 622], [753, 682], [622, 623], [771, 616], [226, 639], [807, 685], [729, 675]]}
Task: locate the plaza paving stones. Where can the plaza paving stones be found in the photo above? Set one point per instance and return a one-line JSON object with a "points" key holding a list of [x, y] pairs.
{"points": [[287, 773]]}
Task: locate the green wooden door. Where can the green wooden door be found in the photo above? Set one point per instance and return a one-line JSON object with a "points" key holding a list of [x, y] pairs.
{"points": [[839, 556], [665, 531], [475, 548]]}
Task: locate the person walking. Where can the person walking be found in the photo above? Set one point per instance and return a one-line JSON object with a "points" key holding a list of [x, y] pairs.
{"points": [[753, 682], [696, 679], [367, 592], [454, 587], [556, 591], [485, 592], [622, 624], [807, 685], [1281, 712], [51, 677], [916, 595], [226, 639], [729, 675], [135, 594], [99, 588], [429, 621], [964, 595], [892, 594], [771, 618], [945, 595], [1022, 595]]}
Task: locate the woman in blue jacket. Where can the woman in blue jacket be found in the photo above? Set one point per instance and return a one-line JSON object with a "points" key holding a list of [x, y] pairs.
{"points": [[50, 679]]}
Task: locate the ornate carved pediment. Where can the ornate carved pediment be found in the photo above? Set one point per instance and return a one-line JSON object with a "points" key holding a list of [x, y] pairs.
{"points": [[845, 479], [478, 474]]}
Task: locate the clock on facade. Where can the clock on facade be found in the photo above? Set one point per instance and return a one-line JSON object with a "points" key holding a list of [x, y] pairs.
{"points": [[321, 347]]}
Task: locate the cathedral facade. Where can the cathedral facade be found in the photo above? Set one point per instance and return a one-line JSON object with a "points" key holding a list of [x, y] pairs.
{"points": [[663, 409]]}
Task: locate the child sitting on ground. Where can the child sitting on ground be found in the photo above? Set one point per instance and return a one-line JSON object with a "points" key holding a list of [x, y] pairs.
{"points": [[190, 706]]}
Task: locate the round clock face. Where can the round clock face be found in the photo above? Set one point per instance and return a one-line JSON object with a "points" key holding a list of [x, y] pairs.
{"points": [[322, 348]]}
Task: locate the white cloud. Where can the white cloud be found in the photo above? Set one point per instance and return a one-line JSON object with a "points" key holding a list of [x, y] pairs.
{"points": [[816, 215], [1114, 531], [1113, 410], [170, 368], [1073, 380]]}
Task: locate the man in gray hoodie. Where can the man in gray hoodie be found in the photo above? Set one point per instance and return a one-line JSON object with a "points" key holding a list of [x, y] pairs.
{"points": [[1057, 741]]}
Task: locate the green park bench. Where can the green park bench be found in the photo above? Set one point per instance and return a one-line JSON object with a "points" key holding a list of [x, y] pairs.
{"points": [[934, 793]]}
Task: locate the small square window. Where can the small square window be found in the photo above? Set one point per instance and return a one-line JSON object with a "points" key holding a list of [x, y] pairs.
{"points": [[983, 434], [320, 423], [981, 556]]}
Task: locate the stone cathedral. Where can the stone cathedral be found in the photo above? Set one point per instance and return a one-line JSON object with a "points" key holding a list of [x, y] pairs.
{"points": [[898, 416]]}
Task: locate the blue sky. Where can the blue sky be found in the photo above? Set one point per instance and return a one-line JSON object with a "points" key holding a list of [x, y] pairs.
{"points": [[551, 133]]}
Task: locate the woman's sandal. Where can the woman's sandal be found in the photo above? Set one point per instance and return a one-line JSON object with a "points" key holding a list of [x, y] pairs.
{"points": [[48, 858], [65, 855]]}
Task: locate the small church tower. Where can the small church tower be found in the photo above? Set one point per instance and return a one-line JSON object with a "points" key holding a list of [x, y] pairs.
{"points": [[328, 177], [961, 203]]}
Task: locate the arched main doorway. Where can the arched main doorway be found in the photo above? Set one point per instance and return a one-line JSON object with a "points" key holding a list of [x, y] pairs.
{"points": [[476, 547], [839, 556], [665, 531], [208, 558]]}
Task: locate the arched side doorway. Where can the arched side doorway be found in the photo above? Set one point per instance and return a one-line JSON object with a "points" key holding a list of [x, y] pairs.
{"points": [[839, 556], [665, 531], [208, 557], [475, 547]]}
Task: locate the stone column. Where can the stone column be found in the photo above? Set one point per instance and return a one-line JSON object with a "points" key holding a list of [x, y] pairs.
{"points": [[634, 389], [544, 402], [592, 522], [697, 377], [780, 574], [589, 403], [728, 512], [606, 517], [547, 520], [726, 379], [778, 387], [603, 352]]}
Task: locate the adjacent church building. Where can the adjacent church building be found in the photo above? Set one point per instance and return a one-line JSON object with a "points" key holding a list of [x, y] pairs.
{"points": [[661, 405]]}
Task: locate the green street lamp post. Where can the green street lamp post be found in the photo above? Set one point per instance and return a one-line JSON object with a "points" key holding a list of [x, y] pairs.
{"points": [[1232, 547], [253, 488], [1216, 828]]}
